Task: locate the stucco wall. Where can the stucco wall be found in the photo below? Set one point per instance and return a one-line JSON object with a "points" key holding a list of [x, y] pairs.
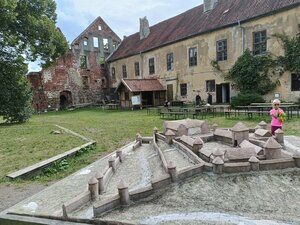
{"points": [[195, 77]]}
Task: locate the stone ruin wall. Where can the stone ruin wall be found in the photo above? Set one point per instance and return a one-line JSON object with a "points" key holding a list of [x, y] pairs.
{"points": [[65, 77]]}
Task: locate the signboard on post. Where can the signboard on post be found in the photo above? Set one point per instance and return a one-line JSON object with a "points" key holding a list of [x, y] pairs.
{"points": [[136, 100]]}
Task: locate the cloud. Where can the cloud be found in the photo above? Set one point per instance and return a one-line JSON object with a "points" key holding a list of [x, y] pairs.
{"points": [[121, 15]]}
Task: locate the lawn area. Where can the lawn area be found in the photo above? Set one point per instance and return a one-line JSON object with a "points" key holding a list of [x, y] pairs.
{"points": [[26, 144]]}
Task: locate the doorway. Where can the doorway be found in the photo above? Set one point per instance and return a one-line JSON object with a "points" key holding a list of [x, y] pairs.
{"points": [[147, 98], [223, 93], [170, 92], [65, 99]]}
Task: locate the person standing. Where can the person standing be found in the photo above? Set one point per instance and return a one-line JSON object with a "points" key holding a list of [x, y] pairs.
{"points": [[278, 116], [198, 100]]}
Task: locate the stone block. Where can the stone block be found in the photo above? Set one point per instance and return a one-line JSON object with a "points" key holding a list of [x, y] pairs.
{"points": [[297, 159], [279, 136], [103, 206], [240, 167], [262, 133], [239, 154], [141, 193], [218, 165], [99, 177], [277, 164], [172, 171], [190, 171], [124, 193], [120, 155], [254, 163], [93, 188], [170, 135], [272, 149], [161, 182], [248, 144], [112, 164], [263, 125]]}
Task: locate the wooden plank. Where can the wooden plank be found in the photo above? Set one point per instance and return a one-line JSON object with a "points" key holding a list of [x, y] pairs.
{"points": [[48, 162]]}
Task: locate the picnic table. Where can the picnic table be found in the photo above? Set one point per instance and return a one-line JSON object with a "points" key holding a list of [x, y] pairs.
{"points": [[264, 109]]}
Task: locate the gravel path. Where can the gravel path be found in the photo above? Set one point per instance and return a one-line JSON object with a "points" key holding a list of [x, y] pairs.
{"points": [[12, 194]]}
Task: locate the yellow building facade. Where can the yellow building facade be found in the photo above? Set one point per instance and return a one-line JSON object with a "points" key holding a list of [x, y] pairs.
{"points": [[183, 79]]}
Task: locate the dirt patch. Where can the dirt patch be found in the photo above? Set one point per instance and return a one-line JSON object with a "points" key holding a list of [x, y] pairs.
{"points": [[12, 194]]}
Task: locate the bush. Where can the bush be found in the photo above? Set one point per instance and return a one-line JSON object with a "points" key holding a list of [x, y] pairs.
{"points": [[244, 99]]}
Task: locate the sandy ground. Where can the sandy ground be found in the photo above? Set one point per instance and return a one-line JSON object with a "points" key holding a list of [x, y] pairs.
{"points": [[12, 194], [249, 199]]}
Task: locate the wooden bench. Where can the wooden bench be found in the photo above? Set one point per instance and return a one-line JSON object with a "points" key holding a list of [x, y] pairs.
{"points": [[177, 115]]}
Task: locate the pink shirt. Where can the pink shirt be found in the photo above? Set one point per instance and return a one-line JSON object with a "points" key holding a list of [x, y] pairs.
{"points": [[275, 120]]}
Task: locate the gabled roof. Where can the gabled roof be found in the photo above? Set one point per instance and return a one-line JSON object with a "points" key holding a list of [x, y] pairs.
{"points": [[141, 85], [87, 30], [195, 22]]}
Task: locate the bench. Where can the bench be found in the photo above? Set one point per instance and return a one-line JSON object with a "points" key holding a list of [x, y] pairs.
{"points": [[177, 115]]}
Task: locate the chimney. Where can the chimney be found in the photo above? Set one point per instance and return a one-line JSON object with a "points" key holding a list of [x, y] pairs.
{"points": [[209, 5], [144, 28]]}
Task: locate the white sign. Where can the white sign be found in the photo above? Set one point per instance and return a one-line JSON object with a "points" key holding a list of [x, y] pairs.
{"points": [[136, 100]]}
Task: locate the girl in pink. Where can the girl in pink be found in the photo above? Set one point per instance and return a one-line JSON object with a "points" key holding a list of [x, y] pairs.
{"points": [[276, 122]]}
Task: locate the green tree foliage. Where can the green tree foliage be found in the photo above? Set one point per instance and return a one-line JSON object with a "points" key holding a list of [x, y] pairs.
{"points": [[27, 32], [291, 59], [244, 99], [252, 73]]}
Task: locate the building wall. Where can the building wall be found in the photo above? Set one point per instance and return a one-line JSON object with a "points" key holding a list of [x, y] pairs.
{"points": [[67, 83], [196, 77]]}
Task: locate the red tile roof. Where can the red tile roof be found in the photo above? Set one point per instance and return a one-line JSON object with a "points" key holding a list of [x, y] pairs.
{"points": [[142, 85], [195, 21]]}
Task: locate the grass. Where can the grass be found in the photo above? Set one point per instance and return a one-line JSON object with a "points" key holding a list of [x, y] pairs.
{"points": [[25, 144]]}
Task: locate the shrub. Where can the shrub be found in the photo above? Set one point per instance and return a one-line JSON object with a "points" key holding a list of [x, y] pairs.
{"points": [[244, 99]]}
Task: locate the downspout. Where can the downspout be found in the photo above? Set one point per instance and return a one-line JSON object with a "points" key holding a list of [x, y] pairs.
{"points": [[141, 65], [243, 36]]}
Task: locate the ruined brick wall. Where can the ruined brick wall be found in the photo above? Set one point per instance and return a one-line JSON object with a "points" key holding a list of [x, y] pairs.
{"points": [[67, 83], [38, 96]]}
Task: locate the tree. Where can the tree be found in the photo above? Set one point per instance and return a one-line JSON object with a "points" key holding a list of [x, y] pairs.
{"points": [[251, 73], [291, 59], [27, 32]]}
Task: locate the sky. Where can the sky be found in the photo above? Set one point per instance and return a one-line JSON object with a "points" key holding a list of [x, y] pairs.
{"points": [[73, 16]]}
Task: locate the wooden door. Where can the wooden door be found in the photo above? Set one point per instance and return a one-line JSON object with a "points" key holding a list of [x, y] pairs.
{"points": [[170, 92]]}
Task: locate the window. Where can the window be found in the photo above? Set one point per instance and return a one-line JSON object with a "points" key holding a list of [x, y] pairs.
{"points": [[259, 42], [105, 43], [113, 73], [124, 71], [99, 27], [222, 50], [83, 62], [126, 96], [183, 89], [193, 56], [137, 68], [151, 66], [85, 41], [95, 42], [210, 86], [295, 82], [170, 61]]}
